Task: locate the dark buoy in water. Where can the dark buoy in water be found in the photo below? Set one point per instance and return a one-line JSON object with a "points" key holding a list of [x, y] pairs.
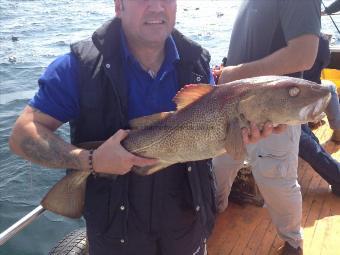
{"points": [[12, 59], [219, 14], [224, 61], [14, 38]]}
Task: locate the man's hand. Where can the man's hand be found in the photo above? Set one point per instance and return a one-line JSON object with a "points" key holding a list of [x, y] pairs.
{"points": [[216, 72], [112, 158], [230, 73], [254, 134]]}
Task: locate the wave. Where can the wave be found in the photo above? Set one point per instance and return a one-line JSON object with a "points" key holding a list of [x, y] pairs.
{"points": [[16, 96]]}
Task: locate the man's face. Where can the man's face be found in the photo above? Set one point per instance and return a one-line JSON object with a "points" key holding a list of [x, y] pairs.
{"points": [[147, 22]]}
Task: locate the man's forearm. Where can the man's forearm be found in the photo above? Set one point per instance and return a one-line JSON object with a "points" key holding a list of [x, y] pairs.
{"points": [[278, 63], [296, 57], [41, 146]]}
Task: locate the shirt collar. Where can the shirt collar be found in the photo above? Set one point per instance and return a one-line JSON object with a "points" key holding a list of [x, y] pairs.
{"points": [[171, 51]]}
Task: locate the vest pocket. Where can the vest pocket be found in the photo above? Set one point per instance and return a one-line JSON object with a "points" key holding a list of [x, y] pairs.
{"points": [[91, 98], [207, 192], [103, 196], [97, 205]]}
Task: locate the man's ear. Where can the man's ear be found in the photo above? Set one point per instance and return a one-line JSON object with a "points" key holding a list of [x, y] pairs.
{"points": [[119, 7]]}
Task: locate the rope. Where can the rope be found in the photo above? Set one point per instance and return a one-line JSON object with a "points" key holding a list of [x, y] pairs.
{"points": [[331, 18]]}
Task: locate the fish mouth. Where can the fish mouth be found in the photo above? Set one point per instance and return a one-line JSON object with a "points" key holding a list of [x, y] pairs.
{"points": [[314, 112]]}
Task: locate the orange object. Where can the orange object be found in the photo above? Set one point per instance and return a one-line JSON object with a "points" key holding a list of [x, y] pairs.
{"points": [[332, 75]]}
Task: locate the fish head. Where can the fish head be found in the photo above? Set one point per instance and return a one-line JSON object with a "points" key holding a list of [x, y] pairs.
{"points": [[283, 100]]}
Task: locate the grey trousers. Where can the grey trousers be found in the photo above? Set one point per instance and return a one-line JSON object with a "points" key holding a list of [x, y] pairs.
{"points": [[274, 162], [333, 109]]}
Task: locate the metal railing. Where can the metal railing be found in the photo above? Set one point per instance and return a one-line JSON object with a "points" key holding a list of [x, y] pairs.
{"points": [[20, 224]]}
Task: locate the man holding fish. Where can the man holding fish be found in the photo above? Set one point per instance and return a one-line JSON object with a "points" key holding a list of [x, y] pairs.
{"points": [[133, 67]]}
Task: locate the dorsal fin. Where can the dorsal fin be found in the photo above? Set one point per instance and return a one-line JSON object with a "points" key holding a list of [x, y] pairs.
{"points": [[144, 121], [191, 93]]}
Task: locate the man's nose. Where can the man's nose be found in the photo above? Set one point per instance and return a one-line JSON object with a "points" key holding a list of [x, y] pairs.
{"points": [[157, 5]]}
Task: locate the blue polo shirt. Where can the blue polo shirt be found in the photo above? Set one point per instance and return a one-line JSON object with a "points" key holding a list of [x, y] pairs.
{"points": [[58, 94], [147, 94]]}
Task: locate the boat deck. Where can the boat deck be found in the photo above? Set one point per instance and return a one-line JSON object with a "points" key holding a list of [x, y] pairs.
{"points": [[248, 229]]}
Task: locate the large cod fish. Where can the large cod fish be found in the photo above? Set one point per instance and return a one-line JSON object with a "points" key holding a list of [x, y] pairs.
{"points": [[207, 123]]}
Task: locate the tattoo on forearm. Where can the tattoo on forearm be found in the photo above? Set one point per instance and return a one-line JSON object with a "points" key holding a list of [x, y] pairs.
{"points": [[49, 151]]}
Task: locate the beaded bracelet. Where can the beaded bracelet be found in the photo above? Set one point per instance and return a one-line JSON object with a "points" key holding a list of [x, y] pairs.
{"points": [[93, 172]]}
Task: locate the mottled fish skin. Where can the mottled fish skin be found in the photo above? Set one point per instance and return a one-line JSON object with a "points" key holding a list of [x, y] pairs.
{"points": [[207, 123], [175, 138]]}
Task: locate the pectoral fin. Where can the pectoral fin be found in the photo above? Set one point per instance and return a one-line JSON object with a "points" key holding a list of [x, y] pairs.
{"points": [[234, 142], [67, 196]]}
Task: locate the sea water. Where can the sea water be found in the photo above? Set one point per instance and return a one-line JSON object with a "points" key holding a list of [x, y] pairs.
{"points": [[32, 34]]}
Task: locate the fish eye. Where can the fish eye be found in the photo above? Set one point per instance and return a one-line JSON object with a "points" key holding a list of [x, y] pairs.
{"points": [[294, 91]]}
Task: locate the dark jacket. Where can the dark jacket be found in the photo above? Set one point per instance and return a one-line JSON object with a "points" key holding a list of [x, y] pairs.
{"points": [[103, 110], [321, 61]]}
